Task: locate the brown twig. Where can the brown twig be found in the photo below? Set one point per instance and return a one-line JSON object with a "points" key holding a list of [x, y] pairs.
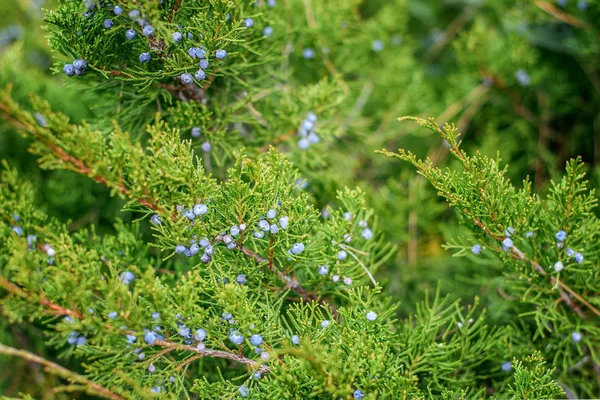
{"points": [[58, 310], [212, 353], [174, 11], [563, 288], [277, 140], [169, 346], [77, 164], [91, 387], [455, 26], [558, 14]]}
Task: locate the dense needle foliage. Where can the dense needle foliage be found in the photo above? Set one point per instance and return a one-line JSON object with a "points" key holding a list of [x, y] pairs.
{"points": [[196, 201]]}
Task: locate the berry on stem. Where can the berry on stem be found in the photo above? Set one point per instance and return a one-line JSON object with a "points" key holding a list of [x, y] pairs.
{"points": [[150, 337], [256, 340], [200, 334], [558, 266], [186, 78], [200, 209], [220, 54], [130, 34], [126, 277], [200, 75], [148, 30], [69, 69], [297, 248]]}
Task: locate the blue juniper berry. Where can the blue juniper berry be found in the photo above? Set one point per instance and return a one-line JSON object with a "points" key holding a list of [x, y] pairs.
{"points": [[220, 54], [148, 30], [200, 209], [186, 78], [371, 316], [200, 75], [130, 34], [126, 277], [256, 340]]}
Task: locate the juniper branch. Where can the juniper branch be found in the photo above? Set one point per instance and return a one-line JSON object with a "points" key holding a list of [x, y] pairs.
{"points": [[90, 387], [168, 345]]}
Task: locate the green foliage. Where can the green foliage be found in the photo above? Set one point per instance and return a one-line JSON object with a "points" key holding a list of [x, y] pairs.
{"points": [[556, 301], [128, 126], [533, 380]]}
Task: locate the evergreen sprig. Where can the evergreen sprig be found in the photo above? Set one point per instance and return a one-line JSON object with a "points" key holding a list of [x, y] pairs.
{"points": [[549, 247]]}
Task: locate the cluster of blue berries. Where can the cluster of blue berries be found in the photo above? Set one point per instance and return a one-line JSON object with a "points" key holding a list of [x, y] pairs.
{"points": [[78, 67], [198, 210], [131, 34], [201, 54], [32, 240], [578, 257], [508, 243], [366, 233], [307, 132], [268, 224]]}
